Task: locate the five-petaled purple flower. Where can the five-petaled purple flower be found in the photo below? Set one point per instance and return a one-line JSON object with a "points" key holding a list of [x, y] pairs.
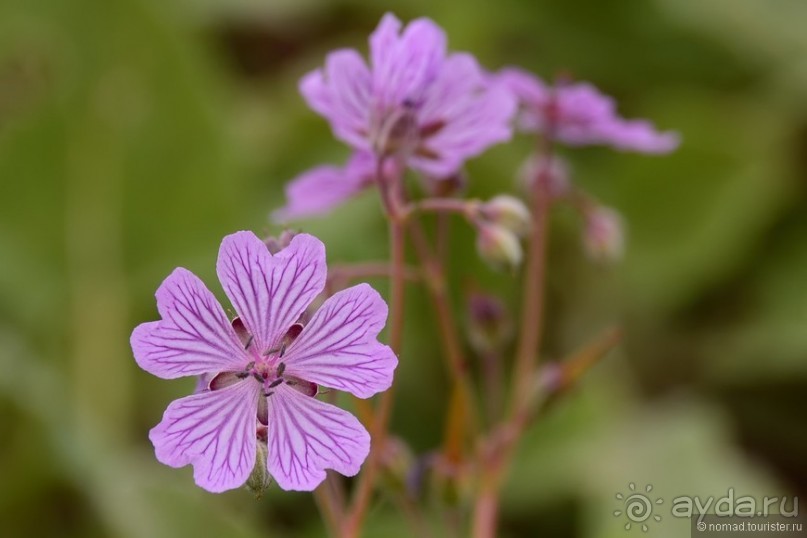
{"points": [[578, 115], [261, 369], [433, 109]]}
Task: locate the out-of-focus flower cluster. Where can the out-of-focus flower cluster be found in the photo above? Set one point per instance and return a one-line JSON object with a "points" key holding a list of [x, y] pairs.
{"points": [[415, 105]]}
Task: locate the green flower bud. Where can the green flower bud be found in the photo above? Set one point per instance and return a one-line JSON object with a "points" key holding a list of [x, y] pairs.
{"points": [[508, 212], [498, 246]]}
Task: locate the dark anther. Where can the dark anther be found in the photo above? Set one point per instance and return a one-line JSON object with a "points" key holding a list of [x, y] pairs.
{"points": [[245, 373], [268, 393], [275, 383], [257, 376], [281, 368]]}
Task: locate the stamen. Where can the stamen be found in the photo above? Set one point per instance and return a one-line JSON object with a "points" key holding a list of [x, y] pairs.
{"points": [[281, 368], [275, 383], [245, 373], [268, 393]]}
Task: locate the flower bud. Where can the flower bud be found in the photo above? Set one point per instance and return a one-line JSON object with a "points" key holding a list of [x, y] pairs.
{"points": [[498, 246], [603, 236], [450, 186], [555, 173], [259, 480], [489, 323], [397, 462], [508, 212]]}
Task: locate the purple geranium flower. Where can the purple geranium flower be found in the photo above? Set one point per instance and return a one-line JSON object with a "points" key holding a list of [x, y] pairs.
{"points": [[580, 115], [261, 369], [433, 109]]}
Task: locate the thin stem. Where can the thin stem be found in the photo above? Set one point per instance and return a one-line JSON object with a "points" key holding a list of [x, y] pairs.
{"points": [[465, 208], [486, 508], [532, 311], [498, 451], [434, 276], [324, 498], [392, 197]]}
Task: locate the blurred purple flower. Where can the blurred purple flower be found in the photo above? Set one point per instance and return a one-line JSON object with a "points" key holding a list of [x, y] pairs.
{"points": [[325, 187], [260, 369], [580, 115], [434, 110]]}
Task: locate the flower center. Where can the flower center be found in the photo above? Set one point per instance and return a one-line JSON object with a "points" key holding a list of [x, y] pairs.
{"points": [[395, 132]]}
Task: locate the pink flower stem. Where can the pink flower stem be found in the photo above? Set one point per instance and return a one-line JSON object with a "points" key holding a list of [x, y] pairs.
{"points": [[326, 504], [465, 208], [392, 197], [497, 452], [458, 424]]}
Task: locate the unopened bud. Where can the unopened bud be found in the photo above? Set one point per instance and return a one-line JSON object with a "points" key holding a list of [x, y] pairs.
{"points": [[554, 172], [276, 244], [259, 480], [397, 461], [603, 237], [489, 323], [508, 212], [498, 246], [446, 186]]}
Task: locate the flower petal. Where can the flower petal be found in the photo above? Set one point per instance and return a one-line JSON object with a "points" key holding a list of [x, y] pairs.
{"points": [[270, 292], [194, 336], [341, 94], [475, 114], [640, 136], [307, 436], [339, 347], [325, 187], [215, 432], [383, 40], [403, 66], [532, 93]]}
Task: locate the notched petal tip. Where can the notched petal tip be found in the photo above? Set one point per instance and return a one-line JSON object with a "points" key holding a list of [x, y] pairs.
{"points": [[270, 292], [192, 338]]}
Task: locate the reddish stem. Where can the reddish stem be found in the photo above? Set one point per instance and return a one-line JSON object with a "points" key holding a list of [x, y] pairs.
{"points": [[392, 197]]}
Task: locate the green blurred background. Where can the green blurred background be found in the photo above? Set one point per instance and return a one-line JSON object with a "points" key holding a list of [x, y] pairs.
{"points": [[135, 134]]}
